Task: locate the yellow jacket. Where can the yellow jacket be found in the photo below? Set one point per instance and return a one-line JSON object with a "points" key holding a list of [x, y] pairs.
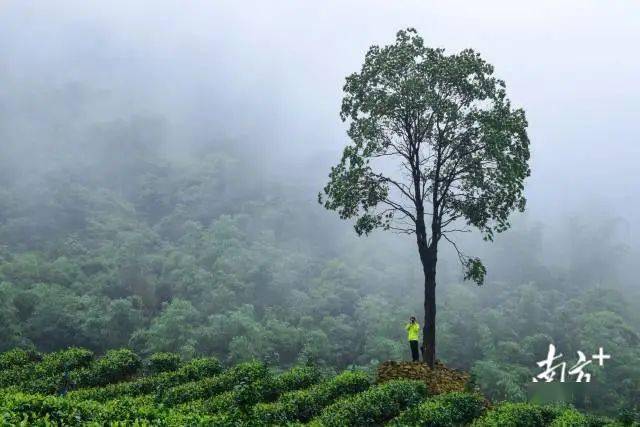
{"points": [[413, 331]]}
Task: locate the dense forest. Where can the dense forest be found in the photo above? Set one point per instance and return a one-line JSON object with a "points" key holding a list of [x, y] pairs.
{"points": [[209, 257]]}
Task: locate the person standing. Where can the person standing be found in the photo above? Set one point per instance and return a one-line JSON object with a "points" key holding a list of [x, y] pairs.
{"points": [[413, 332]]}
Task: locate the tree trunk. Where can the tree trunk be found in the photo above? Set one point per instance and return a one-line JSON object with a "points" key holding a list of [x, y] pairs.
{"points": [[429, 258]]}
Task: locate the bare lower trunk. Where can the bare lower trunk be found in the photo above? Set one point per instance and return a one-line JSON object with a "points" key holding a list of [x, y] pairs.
{"points": [[428, 257]]}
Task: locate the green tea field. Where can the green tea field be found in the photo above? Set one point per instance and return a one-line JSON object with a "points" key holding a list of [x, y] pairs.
{"points": [[72, 387]]}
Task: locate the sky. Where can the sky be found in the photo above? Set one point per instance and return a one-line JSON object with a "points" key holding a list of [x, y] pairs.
{"points": [[268, 76]]}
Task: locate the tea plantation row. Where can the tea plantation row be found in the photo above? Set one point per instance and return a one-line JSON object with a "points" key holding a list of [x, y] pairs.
{"points": [[72, 387]]}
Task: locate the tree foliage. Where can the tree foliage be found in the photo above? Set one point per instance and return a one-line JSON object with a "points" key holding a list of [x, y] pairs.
{"points": [[432, 135]]}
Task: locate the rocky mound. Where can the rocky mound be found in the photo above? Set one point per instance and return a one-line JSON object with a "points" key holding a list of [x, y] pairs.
{"points": [[439, 380]]}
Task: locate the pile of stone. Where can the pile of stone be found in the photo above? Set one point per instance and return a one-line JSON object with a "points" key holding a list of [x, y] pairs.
{"points": [[441, 379]]}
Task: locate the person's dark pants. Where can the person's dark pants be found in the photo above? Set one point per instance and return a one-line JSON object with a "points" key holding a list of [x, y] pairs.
{"points": [[415, 353]]}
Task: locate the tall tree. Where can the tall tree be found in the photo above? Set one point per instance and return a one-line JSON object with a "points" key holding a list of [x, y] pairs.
{"points": [[436, 148]]}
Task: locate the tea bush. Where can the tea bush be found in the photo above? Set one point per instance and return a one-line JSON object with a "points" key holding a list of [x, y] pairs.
{"points": [[443, 410], [48, 375], [302, 405], [245, 395], [163, 362], [154, 384], [519, 414], [16, 358], [374, 406], [238, 376], [117, 389], [115, 366]]}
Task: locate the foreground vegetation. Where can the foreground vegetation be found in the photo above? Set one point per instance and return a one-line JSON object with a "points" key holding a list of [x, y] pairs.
{"points": [[72, 387]]}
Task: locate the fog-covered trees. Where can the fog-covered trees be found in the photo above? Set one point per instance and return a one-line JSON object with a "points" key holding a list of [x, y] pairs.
{"points": [[217, 273]]}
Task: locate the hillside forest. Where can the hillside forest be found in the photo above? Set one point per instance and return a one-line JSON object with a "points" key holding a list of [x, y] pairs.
{"points": [[206, 256]]}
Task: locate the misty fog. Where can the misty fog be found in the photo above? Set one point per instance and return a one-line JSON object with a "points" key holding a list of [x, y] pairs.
{"points": [[266, 78], [112, 103]]}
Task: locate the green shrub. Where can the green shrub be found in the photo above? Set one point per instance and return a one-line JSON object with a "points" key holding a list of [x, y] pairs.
{"points": [[571, 418], [15, 376], [223, 402], [519, 415], [16, 358], [629, 416], [130, 409], [65, 360], [155, 384], [175, 418], [115, 366], [304, 404], [238, 376], [47, 375], [269, 388], [39, 410], [73, 368], [198, 368], [163, 362], [33, 407], [245, 395], [443, 410], [373, 406], [297, 378]]}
